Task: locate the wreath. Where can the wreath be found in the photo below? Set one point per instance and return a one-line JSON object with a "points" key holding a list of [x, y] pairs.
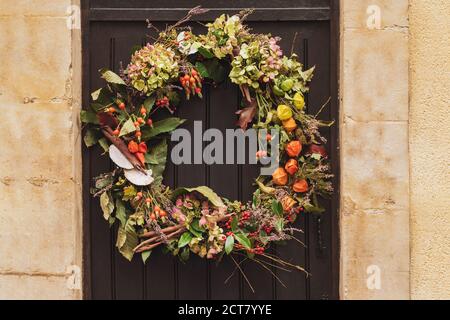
{"points": [[196, 220]]}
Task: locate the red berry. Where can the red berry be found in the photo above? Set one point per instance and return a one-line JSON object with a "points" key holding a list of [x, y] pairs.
{"points": [[116, 132], [122, 106]]}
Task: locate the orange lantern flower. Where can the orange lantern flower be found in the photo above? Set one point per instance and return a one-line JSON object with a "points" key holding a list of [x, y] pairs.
{"points": [[294, 148], [280, 177], [290, 125], [288, 203], [133, 147], [291, 166], [300, 186]]}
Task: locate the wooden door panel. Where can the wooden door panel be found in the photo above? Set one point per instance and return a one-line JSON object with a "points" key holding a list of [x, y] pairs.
{"points": [[107, 44]]}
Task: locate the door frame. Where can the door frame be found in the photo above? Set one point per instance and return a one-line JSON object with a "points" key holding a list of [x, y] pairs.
{"points": [[334, 17]]}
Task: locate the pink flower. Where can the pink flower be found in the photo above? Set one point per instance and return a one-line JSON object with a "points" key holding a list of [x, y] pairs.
{"points": [[202, 221]]}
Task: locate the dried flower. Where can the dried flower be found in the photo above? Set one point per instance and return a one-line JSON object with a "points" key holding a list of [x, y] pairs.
{"points": [[289, 125], [294, 148], [280, 177], [291, 166], [300, 186]]}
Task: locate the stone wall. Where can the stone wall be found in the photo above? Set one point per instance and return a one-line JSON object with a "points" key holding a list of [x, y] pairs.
{"points": [[40, 205], [374, 150], [430, 148]]}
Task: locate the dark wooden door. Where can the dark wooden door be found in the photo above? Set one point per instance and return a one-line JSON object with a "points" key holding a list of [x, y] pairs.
{"points": [[110, 30]]}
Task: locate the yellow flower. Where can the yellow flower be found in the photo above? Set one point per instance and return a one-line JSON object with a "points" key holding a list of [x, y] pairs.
{"points": [[299, 101], [284, 112]]}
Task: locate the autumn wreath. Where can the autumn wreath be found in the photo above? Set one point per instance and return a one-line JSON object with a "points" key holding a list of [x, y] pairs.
{"points": [[197, 220]]}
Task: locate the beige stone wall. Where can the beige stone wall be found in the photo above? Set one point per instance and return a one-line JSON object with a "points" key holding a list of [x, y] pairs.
{"points": [[430, 148], [40, 214], [374, 150]]}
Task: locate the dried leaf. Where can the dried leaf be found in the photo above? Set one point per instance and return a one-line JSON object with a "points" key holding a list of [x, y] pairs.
{"points": [[246, 115], [106, 119]]}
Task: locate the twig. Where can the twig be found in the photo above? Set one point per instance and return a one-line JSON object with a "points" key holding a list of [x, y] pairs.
{"points": [[234, 271], [268, 269], [159, 237], [282, 262], [293, 42], [146, 248], [321, 108], [107, 132], [243, 274]]}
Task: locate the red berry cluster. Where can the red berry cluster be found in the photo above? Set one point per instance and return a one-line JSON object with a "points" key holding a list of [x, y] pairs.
{"points": [[244, 217], [267, 229], [229, 233], [163, 102], [192, 83], [228, 223], [258, 250]]}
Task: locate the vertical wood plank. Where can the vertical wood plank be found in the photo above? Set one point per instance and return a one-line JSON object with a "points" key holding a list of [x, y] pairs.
{"points": [[319, 225], [223, 179], [101, 263]]}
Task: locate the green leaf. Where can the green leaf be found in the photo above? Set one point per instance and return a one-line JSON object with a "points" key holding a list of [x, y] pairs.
{"points": [[87, 116], [127, 240], [129, 193], [127, 127], [149, 103], [205, 191], [104, 144], [205, 52], [216, 71], [90, 138], [313, 209], [184, 255], [229, 244], [145, 255], [184, 239], [106, 205], [103, 97], [121, 213], [103, 181], [202, 69], [195, 228], [163, 126], [277, 208], [279, 224], [111, 77], [234, 223], [157, 158], [242, 239]]}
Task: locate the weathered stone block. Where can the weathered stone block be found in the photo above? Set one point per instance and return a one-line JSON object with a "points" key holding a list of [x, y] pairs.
{"points": [[375, 75], [37, 140], [376, 266], [35, 7], [38, 225], [36, 59], [375, 162], [25, 287], [393, 13]]}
